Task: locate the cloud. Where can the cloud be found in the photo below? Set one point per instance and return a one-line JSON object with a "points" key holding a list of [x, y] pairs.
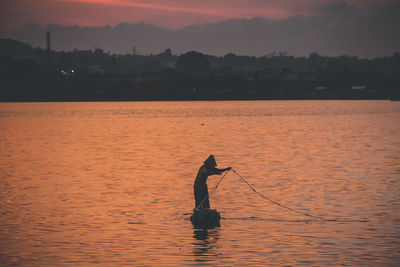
{"points": [[152, 5], [16, 13], [364, 28], [172, 14]]}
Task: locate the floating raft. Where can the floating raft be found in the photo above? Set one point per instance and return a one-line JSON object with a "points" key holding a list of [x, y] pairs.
{"points": [[205, 218]]}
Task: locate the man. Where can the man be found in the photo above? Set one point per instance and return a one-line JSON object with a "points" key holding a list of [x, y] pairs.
{"points": [[200, 184]]}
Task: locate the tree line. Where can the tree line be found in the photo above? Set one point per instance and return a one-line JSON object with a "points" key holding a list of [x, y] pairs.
{"points": [[32, 74]]}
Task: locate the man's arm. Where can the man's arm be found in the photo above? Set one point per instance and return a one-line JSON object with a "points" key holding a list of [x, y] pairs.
{"points": [[219, 171], [226, 169]]}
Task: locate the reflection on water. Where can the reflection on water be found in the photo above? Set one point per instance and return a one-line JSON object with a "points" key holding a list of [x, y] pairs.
{"points": [[112, 183], [204, 246]]}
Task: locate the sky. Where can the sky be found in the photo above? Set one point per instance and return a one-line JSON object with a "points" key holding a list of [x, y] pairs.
{"points": [[364, 28], [172, 14]]}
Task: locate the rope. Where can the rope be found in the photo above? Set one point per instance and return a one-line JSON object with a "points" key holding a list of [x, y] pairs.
{"points": [[279, 204], [212, 192]]}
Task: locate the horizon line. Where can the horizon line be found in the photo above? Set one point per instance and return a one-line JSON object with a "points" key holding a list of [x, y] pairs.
{"points": [[269, 55], [142, 22]]}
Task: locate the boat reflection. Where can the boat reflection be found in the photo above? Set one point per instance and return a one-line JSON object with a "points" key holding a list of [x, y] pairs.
{"points": [[205, 244]]}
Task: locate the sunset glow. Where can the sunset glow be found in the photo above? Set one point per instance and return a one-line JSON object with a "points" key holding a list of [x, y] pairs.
{"points": [[146, 5], [171, 14]]}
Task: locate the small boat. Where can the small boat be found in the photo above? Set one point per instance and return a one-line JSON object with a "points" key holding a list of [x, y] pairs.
{"points": [[205, 218]]}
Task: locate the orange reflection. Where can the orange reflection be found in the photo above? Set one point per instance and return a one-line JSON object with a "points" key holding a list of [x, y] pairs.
{"points": [[112, 183]]}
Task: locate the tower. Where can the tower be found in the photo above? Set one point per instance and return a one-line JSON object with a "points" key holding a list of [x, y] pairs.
{"points": [[48, 40], [48, 50]]}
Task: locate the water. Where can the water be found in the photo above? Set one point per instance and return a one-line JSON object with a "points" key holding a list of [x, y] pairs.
{"points": [[111, 183]]}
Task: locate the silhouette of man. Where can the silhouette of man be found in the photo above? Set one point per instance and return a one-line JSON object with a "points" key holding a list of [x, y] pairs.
{"points": [[200, 184]]}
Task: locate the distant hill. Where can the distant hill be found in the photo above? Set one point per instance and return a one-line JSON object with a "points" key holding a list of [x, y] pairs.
{"points": [[16, 49]]}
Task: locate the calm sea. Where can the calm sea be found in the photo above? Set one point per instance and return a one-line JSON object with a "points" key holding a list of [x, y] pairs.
{"points": [[111, 184]]}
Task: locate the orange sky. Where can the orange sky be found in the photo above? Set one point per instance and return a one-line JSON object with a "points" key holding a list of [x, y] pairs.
{"points": [[167, 13]]}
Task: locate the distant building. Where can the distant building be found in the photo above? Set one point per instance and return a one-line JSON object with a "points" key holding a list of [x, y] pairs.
{"points": [[67, 72], [95, 69], [359, 87], [320, 87], [308, 76], [291, 77]]}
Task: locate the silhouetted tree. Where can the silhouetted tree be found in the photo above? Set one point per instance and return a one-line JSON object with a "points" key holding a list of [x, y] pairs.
{"points": [[25, 74], [193, 63]]}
